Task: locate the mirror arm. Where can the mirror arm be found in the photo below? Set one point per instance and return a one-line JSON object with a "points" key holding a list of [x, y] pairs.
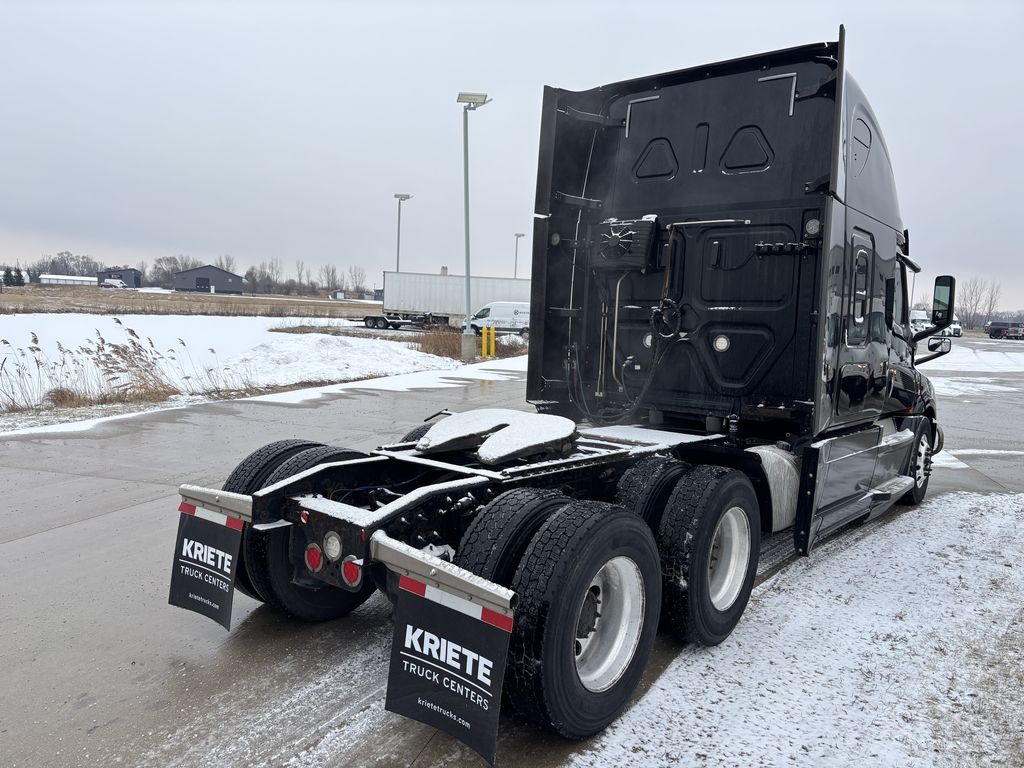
{"points": [[932, 356]]}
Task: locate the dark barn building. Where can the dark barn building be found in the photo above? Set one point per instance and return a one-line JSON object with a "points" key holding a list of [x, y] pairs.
{"points": [[131, 276], [208, 279]]}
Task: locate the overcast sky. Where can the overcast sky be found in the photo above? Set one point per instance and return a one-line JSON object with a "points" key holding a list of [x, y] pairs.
{"points": [[131, 130]]}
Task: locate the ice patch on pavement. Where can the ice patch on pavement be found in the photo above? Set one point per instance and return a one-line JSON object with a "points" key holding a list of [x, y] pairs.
{"points": [[946, 460], [496, 370], [985, 452], [971, 358], [867, 653], [958, 386]]}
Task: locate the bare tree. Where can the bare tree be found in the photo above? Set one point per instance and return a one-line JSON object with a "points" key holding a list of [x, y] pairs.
{"points": [[969, 300], [993, 291], [330, 279], [300, 270], [357, 277], [274, 271], [226, 262]]}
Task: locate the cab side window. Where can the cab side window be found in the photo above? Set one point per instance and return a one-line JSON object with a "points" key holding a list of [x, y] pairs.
{"points": [[878, 325], [857, 327]]}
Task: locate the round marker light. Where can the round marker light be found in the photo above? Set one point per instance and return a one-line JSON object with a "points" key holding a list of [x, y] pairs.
{"points": [[332, 545], [721, 343], [555, 238], [812, 227], [351, 573], [314, 558], [648, 340]]}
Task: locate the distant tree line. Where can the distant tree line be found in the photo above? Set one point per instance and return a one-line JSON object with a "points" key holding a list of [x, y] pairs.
{"points": [[266, 277], [13, 277]]}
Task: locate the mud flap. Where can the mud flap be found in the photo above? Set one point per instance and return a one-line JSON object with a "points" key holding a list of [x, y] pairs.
{"points": [[205, 559], [448, 664]]}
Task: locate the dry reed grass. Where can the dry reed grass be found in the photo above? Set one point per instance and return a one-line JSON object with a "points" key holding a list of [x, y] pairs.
{"points": [[102, 371], [447, 342]]}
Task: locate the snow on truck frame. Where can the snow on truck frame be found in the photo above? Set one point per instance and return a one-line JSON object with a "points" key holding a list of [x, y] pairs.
{"points": [[721, 349]]}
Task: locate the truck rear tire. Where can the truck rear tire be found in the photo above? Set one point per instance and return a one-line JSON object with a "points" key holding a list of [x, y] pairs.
{"points": [[709, 545], [370, 322], [272, 555], [590, 592], [920, 466], [645, 487], [382, 323], [495, 541], [248, 477]]}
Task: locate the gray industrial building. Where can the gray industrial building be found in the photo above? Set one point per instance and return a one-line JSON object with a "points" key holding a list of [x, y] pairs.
{"points": [[208, 279], [131, 276]]}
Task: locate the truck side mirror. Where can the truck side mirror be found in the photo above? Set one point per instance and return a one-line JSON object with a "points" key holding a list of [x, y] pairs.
{"points": [[942, 300], [937, 347]]}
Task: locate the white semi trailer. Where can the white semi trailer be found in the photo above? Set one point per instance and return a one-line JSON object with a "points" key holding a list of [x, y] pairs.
{"points": [[415, 298]]}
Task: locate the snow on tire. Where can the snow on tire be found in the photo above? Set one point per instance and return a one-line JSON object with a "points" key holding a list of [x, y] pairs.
{"points": [[494, 542], [248, 477], [590, 590], [709, 545], [645, 487], [273, 555]]}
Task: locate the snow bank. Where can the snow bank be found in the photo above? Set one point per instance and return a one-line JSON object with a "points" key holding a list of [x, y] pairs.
{"points": [[291, 358]]}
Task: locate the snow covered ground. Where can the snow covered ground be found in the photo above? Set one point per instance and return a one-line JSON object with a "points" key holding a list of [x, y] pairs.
{"points": [[895, 645], [236, 352], [994, 357], [244, 345]]}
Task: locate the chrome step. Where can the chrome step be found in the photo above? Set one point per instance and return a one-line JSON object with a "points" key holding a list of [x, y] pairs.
{"points": [[892, 488]]}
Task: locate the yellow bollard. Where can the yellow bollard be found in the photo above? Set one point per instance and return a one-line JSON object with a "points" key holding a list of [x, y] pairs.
{"points": [[493, 332], [483, 341]]}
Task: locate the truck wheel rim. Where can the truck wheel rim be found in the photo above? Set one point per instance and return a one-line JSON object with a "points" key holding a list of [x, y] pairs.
{"points": [[730, 553], [609, 623], [921, 460]]}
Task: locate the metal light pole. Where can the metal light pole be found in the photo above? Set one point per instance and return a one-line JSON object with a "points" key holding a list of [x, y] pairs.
{"points": [[400, 197], [471, 101], [515, 264]]}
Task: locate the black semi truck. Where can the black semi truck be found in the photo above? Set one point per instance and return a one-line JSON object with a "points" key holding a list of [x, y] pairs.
{"points": [[721, 351]]}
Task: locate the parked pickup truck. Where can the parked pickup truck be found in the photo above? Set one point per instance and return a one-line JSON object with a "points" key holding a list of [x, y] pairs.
{"points": [[721, 351]]}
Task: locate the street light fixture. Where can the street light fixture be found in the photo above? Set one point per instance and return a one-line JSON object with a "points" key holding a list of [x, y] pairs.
{"points": [[470, 101], [515, 264], [400, 197]]}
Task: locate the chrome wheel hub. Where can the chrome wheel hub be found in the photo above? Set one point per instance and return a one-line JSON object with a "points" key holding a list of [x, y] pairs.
{"points": [[730, 554], [608, 624]]}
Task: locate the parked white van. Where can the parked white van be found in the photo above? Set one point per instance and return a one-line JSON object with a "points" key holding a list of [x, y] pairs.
{"points": [[504, 317]]}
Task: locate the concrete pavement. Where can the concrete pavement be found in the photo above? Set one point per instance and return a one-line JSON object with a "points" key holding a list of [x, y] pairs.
{"points": [[97, 669]]}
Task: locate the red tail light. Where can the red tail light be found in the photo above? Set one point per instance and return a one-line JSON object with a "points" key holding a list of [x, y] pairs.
{"points": [[314, 558], [351, 573]]}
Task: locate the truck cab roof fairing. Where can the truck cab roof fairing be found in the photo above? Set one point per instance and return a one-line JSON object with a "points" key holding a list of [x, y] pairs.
{"points": [[870, 185]]}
